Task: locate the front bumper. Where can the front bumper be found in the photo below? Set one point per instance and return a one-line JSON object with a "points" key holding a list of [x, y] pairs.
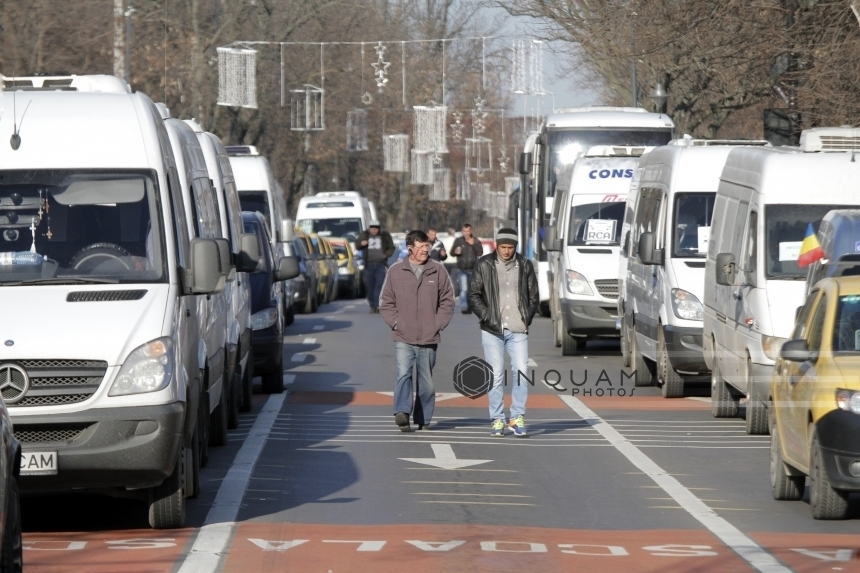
{"points": [[268, 345], [839, 435], [117, 447], [684, 345], [589, 318]]}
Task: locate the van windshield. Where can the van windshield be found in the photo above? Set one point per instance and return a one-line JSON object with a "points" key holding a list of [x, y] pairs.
{"points": [[846, 327], [595, 223], [255, 201], [785, 229], [330, 227], [80, 226], [692, 224]]}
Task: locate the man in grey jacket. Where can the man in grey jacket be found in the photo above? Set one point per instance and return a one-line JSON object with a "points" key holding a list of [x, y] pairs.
{"points": [[417, 302]]}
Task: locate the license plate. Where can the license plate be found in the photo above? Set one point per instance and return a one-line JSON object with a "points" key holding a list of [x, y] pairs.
{"points": [[38, 463]]}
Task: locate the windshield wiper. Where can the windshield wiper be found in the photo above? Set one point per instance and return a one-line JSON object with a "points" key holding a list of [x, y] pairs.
{"points": [[62, 281]]}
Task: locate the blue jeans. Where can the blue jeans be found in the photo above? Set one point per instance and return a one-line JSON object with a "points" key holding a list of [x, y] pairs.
{"points": [[465, 277], [517, 346], [374, 277], [424, 357]]}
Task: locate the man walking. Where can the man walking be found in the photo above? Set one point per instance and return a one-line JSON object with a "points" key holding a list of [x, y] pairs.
{"points": [[468, 250], [504, 294], [376, 246], [417, 302], [437, 249]]}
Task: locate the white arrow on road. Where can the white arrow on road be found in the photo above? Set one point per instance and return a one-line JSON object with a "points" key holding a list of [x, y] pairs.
{"points": [[445, 459]]}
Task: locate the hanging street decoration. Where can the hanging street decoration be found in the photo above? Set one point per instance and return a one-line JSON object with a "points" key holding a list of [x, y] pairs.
{"points": [[503, 160], [457, 127], [237, 77], [464, 186], [307, 109], [381, 67], [441, 190], [422, 168], [395, 152], [479, 116], [356, 130]]}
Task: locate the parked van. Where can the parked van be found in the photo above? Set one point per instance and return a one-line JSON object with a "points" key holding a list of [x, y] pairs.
{"points": [[661, 305], [100, 283], [334, 214], [766, 201], [582, 240]]}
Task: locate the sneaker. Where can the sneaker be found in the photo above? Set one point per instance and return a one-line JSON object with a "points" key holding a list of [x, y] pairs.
{"points": [[498, 428], [424, 426], [402, 420], [518, 426]]}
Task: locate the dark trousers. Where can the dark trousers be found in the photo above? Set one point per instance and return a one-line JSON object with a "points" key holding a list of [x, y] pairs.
{"points": [[374, 276]]}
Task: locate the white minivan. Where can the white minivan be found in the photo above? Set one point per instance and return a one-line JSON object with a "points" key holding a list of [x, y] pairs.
{"points": [[766, 201], [660, 306], [334, 214], [582, 239], [99, 285]]}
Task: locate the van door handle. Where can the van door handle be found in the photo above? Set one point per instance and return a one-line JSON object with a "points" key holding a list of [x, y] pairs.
{"points": [[737, 295]]}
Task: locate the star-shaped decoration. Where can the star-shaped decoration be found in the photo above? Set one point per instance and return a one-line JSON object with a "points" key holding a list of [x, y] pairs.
{"points": [[457, 127], [381, 67], [437, 160], [478, 116], [503, 161], [367, 99]]}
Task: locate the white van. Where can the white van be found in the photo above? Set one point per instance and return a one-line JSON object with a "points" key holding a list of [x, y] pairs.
{"points": [[334, 214], [660, 306], [767, 199], [99, 284], [582, 239]]}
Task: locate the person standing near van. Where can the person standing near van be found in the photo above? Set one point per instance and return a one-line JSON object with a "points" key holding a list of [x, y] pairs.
{"points": [[504, 294], [468, 250], [375, 246], [417, 303], [437, 249]]}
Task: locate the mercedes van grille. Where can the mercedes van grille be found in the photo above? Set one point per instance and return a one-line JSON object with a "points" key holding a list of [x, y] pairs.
{"points": [[49, 433], [607, 288], [695, 264], [611, 311], [105, 295], [56, 382]]}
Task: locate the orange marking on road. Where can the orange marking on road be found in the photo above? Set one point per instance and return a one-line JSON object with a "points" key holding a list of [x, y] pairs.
{"points": [[641, 403], [537, 401], [813, 552], [355, 548]]}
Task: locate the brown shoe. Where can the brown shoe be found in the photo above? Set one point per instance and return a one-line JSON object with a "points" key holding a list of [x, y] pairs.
{"points": [[402, 420]]}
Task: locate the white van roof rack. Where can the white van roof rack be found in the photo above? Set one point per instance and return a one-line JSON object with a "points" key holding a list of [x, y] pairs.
{"points": [[600, 108], [617, 151], [689, 141], [71, 83], [163, 110], [844, 138], [236, 150], [338, 194]]}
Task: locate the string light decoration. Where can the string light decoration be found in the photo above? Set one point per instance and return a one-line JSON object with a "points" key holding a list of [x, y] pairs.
{"points": [[536, 68], [527, 67], [422, 168], [479, 155], [518, 67], [464, 186], [356, 130], [395, 151], [307, 109], [381, 67], [479, 116], [480, 193], [429, 129], [457, 127], [237, 77], [441, 190], [497, 207]]}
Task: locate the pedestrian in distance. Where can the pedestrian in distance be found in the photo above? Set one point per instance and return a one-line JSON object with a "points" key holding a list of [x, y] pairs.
{"points": [[504, 295], [468, 250], [375, 246], [417, 303], [437, 249]]}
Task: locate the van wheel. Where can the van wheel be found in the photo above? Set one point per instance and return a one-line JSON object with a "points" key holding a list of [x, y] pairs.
{"points": [[12, 558], [673, 383], [273, 381], [218, 423], [569, 344], [544, 309], [643, 370], [625, 343], [784, 487], [235, 401], [723, 404], [289, 315], [195, 466], [756, 417], [248, 383], [825, 502], [204, 425], [167, 501]]}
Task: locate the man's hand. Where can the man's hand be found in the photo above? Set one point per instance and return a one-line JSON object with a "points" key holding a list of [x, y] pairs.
{"points": [[457, 251], [364, 243]]}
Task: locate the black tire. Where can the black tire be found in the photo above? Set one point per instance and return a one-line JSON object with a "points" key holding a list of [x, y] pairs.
{"points": [[167, 500], [824, 501], [756, 415], [289, 315], [723, 403], [195, 466], [248, 383], [315, 303], [204, 426], [12, 555], [625, 343], [643, 369], [570, 345], [273, 381], [544, 309], [218, 419], [235, 401], [784, 487], [672, 382]]}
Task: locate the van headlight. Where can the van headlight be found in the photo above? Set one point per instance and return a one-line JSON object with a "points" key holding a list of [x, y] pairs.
{"points": [[578, 284], [263, 319], [771, 345], [148, 368], [685, 305], [343, 271], [848, 400]]}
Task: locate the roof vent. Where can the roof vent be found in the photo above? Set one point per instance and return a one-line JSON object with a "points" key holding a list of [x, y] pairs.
{"points": [[234, 150], [830, 139], [689, 141]]}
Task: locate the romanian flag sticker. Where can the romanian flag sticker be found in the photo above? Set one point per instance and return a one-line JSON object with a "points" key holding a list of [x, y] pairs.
{"points": [[810, 250]]}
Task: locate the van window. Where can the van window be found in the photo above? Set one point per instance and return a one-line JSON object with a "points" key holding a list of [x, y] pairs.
{"points": [[179, 227], [816, 326], [800, 322], [737, 231], [691, 227], [255, 201], [846, 327], [206, 218], [730, 221], [717, 222], [595, 223], [331, 227], [647, 212], [750, 260], [785, 229]]}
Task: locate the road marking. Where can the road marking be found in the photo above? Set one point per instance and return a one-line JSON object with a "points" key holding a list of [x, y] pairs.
{"points": [[319, 327], [469, 494], [532, 363], [440, 396], [464, 483], [462, 470], [309, 341], [478, 503], [699, 399], [443, 457], [289, 379], [299, 357], [748, 549], [214, 537]]}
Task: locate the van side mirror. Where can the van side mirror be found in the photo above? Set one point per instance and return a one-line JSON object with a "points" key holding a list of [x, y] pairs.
{"points": [[550, 241], [525, 163], [287, 230], [647, 253], [249, 253], [288, 268], [797, 351], [226, 257], [204, 275], [726, 269], [797, 312]]}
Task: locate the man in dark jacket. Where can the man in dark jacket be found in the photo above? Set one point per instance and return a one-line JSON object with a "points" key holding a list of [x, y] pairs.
{"points": [[417, 302], [375, 246], [468, 250], [504, 295]]}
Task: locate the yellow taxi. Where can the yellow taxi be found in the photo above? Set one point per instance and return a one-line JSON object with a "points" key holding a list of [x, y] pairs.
{"points": [[815, 396], [317, 255], [348, 273]]}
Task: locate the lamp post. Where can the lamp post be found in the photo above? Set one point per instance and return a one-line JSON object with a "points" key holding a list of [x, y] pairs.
{"points": [[659, 96]]}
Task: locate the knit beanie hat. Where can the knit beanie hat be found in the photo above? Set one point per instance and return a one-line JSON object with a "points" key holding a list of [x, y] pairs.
{"points": [[506, 236]]}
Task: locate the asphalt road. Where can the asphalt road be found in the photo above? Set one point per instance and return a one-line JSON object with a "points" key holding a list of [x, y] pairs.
{"points": [[319, 479]]}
